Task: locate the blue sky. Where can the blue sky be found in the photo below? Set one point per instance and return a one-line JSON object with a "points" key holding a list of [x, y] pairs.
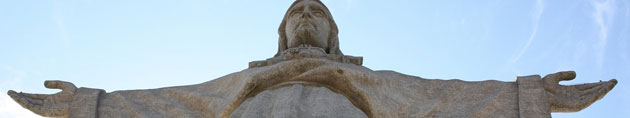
{"points": [[142, 44]]}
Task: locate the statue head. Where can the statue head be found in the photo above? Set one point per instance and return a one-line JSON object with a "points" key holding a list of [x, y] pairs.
{"points": [[308, 23]]}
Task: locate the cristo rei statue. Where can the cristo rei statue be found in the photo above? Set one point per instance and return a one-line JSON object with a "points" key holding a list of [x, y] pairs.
{"points": [[310, 77]]}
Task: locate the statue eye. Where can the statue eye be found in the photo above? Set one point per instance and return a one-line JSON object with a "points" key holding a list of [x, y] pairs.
{"points": [[318, 13], [296, 13]]}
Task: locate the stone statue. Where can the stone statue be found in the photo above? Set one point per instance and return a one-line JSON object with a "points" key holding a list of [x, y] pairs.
{"points": [[310, 77]]}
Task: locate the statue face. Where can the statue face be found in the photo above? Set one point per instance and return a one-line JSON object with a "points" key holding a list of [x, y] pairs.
{"points": [[307, 24]]}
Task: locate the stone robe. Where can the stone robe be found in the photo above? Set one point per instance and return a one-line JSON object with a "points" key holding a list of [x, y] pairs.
{"points": [[310, 88]]}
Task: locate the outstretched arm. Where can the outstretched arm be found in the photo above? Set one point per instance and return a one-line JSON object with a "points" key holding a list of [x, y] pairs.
{"points": [[573, 98]]}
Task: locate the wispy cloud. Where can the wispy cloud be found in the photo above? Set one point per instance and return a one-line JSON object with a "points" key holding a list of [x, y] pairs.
{"points": [[539, 8], [62, 31], [625, 29], [349, 2], [603, 16]]}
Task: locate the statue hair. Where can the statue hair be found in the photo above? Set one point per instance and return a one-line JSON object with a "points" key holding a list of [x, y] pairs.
{"points": [[333, 39]]}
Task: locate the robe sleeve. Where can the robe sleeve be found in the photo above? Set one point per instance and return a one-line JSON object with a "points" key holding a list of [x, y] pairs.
{"points": [[408, 96], [205, 100], [532, 102], [149, 103], [84, 103]]}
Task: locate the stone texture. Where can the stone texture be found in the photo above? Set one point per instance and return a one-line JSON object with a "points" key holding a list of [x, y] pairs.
{"points": [[531, 98], [84, 103], [279, 91], [298, 101], [374, 93]]}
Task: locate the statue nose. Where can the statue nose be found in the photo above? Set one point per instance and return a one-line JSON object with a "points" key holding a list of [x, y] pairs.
{"points": [[306, 14]]}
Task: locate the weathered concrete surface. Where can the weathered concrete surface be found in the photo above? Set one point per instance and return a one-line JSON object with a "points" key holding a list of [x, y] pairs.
{"points": [[84, 103], [374, 93], [298, 101], [532, 99]]}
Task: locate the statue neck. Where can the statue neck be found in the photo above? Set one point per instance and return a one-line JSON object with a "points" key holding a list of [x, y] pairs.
{"points": [[306, 52]]}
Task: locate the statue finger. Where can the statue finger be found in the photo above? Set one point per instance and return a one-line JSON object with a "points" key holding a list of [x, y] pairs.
{"points": [[613, 83], [34, 101], [24, 101], [609, 85], [566, 91], [63, 85], [559, 76], [37, 107], [573, 102], [592, 90], [602, 87], [30, 99], [596, 93], [35, 96], [589, 98], [587, 85]]}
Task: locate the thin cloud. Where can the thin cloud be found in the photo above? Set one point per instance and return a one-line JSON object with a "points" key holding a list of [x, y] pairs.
{"points": [[626, 43], [350, 5], [603, 16], [62, 31], [536, 21]]}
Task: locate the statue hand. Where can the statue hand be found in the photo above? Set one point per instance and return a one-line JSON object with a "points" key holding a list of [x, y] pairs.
{"points": [[573, 98], [48, 105]]}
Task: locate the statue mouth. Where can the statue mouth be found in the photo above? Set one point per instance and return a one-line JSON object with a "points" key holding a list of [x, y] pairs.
{"points": [[306, 31], [306, 24]]}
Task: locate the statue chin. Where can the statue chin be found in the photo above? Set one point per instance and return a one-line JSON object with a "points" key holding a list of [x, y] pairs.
{"points": [[306, 51], [304, 37]]}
